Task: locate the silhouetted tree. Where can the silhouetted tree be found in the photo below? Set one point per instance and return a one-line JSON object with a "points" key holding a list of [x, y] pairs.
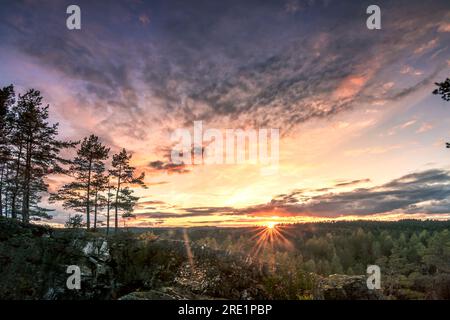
{"points": [[127, 202], [109, 196], [7, 99], [77, 195], [34, 152], [443, 89], [123, 173], [99, 184], [74, 222]]}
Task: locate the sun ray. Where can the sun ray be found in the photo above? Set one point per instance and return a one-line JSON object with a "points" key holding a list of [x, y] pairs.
{"points": [[268, 238]]}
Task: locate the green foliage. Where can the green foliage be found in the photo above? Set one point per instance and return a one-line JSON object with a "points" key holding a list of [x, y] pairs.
{"points": [[87, 169], [32, 259], [29, 151], [123, 173], [437, 253], [74, 222]]}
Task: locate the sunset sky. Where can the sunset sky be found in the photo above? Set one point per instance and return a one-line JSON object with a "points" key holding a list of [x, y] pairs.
{"points": [[361, 134]]}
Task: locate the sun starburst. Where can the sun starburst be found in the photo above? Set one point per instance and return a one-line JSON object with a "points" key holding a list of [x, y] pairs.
{"points": [[269, 237]]}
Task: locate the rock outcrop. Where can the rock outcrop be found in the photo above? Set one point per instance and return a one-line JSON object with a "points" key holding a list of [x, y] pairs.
{"points": [[165, 293]]}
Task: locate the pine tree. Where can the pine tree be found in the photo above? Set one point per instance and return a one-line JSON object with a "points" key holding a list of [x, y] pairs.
{"points": [[34, 153], [16, 166], [443, 89], [99, 184], [7, 99], [336, 265], [127, 202], [123, 173], [6, 189], [437, 255], [310, 266], [78, 194], [74, 222], [109, 196]]}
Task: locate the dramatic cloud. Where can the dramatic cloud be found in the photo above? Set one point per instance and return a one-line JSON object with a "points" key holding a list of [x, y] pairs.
{"points": [[352, 183], [422, 192], [426, 192], [238, 62], [167, 215], [168, 167]]}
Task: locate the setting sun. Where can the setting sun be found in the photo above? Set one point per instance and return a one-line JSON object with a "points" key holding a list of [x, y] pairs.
{"points": [[271, 225]]}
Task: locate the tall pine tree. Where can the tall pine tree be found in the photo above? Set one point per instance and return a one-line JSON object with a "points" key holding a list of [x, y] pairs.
{"points": [[109, 196], [80, 193], [123, 173], [34, 154], [7, 99], [99, 184]]}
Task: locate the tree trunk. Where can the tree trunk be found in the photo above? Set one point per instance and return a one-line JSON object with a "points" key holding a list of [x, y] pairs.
{"points": [[116, 223], [7, 192], [108, 206], [88, 196], [1, 189], [6, 203], [95, 210], [26, 185], [16, 183]]}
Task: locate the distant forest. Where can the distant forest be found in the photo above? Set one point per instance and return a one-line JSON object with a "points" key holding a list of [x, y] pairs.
{"points": [[414, 256]]}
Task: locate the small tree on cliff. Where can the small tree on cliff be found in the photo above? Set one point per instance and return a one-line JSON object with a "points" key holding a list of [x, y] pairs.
{"points": [[123, 173], [80, 194]]}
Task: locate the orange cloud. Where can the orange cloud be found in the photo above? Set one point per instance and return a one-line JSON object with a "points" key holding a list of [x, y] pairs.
{"points": [[429, 45], [444, 27], [350, 86], [425, 127]]}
